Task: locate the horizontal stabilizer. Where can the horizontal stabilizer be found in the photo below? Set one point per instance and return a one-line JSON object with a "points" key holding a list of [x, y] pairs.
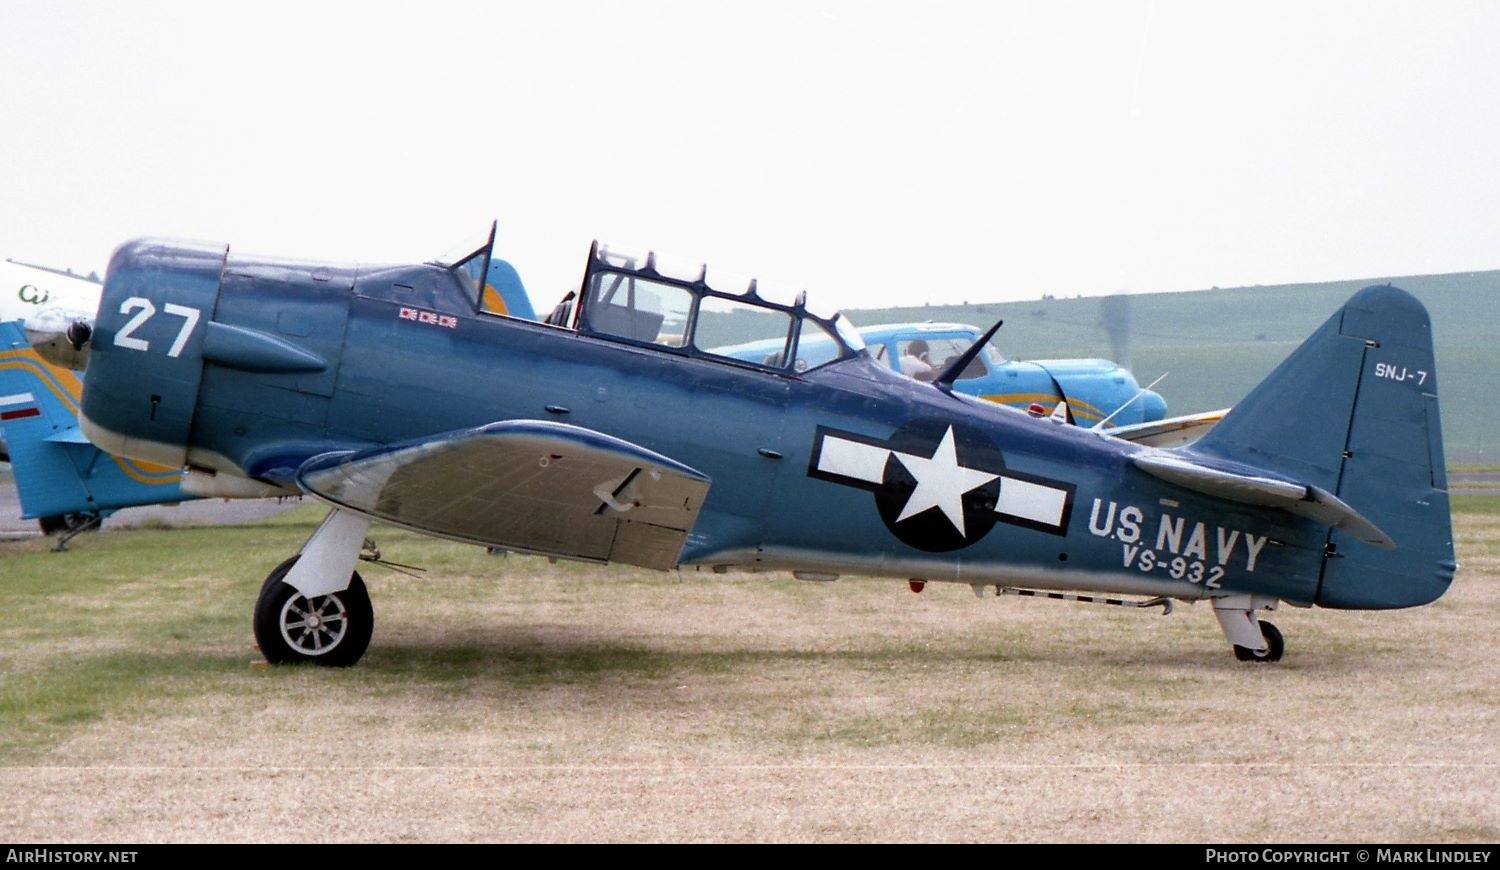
{"points": [[69, 435], [526, 485], [1257, 487], [1173, 432]]}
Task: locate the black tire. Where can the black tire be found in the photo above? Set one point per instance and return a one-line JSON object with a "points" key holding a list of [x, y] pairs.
{"points": [[62, 523], [54, 524], [344, 622], [1275, 646]]}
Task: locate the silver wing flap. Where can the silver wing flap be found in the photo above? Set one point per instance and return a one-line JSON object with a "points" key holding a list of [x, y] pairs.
{"points": [[527, 485], [1241, 485]]}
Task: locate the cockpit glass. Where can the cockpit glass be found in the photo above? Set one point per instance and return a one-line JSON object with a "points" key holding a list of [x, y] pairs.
{"points": [[636, 308], [814, 346], [638, 296], [848, 333], [470, 273], [930, 354], [726, 323], [469, 261]]}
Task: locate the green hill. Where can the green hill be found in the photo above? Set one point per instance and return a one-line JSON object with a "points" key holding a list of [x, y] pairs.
{"points": [[1217, 344]]}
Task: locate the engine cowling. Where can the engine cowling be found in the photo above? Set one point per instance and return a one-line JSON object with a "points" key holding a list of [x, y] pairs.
{"points": [[147, 348], [1112, 389], [230, 364]]}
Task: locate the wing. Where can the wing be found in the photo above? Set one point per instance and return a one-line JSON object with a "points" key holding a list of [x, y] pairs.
{"points": [[526, 485], [1173, 432]]}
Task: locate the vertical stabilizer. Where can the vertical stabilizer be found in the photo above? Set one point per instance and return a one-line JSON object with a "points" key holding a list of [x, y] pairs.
{"points": [[1354, 410]]}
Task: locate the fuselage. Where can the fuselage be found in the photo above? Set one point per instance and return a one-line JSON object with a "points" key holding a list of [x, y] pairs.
{"points": [[844, 468]]}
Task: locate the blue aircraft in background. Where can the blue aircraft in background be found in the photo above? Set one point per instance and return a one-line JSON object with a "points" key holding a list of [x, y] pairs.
{"points": [[1086, 392], [1095, 391], [28, 291], [623, 429], [63, 481]]}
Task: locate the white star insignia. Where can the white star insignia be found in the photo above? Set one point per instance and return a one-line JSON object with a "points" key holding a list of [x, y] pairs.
{"points": [[941, 482], [1030, 501]]}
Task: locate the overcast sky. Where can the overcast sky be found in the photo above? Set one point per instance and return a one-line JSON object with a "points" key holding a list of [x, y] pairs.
{"points": [[876, 153]]}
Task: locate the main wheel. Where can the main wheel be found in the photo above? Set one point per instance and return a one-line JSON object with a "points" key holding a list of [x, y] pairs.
{"points": [[332, 630], [1275, 646]]}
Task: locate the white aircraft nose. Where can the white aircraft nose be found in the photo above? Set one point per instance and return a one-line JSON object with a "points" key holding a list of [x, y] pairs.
{"points": [[61, 336]]}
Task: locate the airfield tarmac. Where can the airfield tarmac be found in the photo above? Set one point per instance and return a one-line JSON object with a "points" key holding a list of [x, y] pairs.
{"points": [[202, 512]]}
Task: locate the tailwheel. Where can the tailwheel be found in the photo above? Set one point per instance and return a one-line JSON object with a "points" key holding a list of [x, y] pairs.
{"points": [[59, 523], [332, 630], [1275, 646], [68, 526]]}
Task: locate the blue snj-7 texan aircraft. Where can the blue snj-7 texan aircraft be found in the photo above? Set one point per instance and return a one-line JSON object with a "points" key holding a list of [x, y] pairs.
{"points": [[621, 428]]}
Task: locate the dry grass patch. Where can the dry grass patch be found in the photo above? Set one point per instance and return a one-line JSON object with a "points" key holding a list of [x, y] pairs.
{"points": [[511, 699]]}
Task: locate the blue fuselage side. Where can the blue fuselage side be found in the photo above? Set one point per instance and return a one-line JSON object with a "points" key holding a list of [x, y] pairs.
{"points": [[404, 355]]}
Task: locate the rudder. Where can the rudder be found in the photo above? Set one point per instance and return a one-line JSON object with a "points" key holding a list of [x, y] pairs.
{"points": [[1354, 410]]}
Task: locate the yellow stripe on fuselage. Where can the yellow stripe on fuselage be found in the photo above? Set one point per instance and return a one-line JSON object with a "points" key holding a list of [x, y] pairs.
{"points": [[69, 390], [1079, 409]]}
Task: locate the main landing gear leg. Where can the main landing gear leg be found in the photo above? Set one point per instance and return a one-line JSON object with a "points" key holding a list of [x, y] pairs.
{"points": [[71, 526], [1253, 640], [313, 607]]}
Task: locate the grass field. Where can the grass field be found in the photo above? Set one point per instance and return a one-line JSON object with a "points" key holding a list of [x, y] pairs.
{"points": [[512, 699]]}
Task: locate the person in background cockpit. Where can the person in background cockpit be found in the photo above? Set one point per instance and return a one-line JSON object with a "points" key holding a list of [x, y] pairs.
{"points": [[914, 362]]}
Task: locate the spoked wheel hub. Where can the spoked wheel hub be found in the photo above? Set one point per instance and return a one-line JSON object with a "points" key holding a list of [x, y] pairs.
{"points": [[314, 627], [332, 630]]}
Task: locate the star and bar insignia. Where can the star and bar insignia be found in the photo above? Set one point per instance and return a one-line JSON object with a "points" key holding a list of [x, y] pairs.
{"points": [[939, 486]]}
